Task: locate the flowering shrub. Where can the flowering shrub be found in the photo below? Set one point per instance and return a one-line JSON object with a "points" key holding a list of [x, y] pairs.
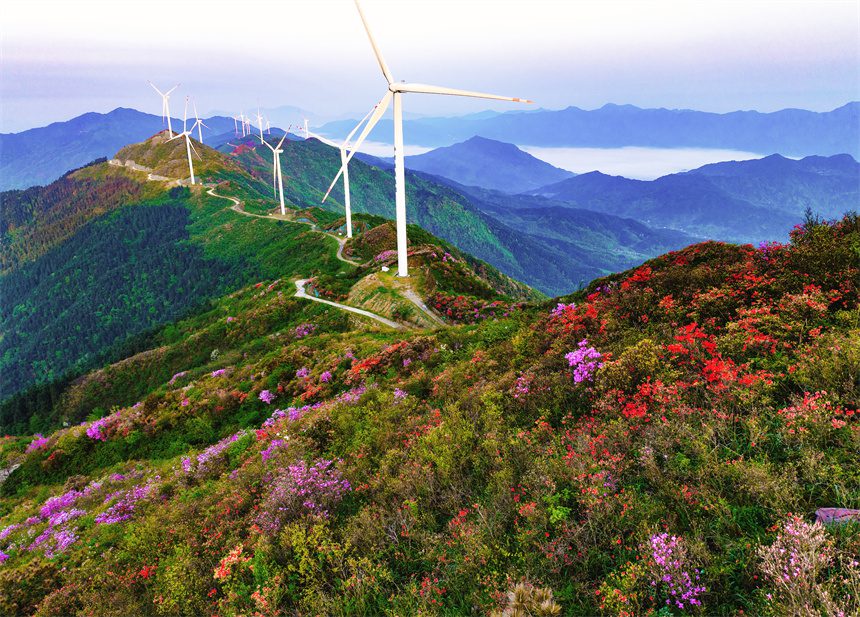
{"points": [[670, 571], [39, 443], [303, 330], [267, 397], [385, 255], [123, 508], [794, 569], [314, 489], [584, 362], [94, 430], [326, 377], [464, 309]]}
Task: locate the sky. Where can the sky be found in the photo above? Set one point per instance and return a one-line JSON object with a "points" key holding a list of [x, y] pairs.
{"points": [[61, 58]]}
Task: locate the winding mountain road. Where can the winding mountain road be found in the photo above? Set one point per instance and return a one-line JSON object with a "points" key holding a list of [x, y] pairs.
{"points": [[301, 293], [300, 284]]}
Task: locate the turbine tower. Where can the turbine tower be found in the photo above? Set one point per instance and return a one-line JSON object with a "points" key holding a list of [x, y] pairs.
{"points": [[187, 134], [343, 169], [395, 91], [276, 169], [165, 105]]}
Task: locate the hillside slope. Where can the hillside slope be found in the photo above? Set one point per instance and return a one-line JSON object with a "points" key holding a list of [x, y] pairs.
{"points": [[41, 155], [453, 214], [656, 444]]}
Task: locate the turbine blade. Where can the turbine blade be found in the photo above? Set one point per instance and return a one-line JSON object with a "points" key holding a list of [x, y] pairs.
{"points": [[156, 89], [387, 73], [172, 89], [287, 132], [360, 122], [427, 89], [378, 112], [193, 149]]}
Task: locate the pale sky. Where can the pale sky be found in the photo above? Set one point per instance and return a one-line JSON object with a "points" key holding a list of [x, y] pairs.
{"points": [[63, 58]]}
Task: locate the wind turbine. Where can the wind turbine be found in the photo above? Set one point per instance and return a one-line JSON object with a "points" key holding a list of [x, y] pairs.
{"points": [[165, 105], [198, 124], [187, 134], [344, 167], [260, 124], [276, 168], [306, 128], [395, 91], [235, 126]]}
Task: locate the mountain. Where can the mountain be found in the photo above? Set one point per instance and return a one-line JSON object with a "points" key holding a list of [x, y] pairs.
{"points": [[791, 132], [95, 261], [658, 443], [41, 155], [450, 212], [746, 201], [487, 163]]}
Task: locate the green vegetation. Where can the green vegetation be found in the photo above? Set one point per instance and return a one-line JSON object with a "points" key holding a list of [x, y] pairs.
{"points": [[656, 444]]}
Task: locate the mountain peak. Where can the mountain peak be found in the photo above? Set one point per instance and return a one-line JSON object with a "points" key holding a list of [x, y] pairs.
{"points": [[488, 163]]}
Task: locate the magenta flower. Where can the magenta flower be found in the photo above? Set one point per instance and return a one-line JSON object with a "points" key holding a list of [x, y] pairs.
{"points": [[399, 394], [267, 397], [39, 443], [303, 373], [94, 430], [303, 330], [326, 377], [584, 362], [559, 310], [219, 373]]}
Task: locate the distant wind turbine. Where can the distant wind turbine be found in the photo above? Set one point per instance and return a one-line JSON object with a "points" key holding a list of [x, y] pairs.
{"points": [[187, 134], [235, 126], [344, 168], [276, 168], [165, 105], [395, 91], [260, 124], [198, 123], [306, 128]]}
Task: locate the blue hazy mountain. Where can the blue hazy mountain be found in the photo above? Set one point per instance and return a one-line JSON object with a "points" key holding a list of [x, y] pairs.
{"points": [[791, 132], [745, 201], [41, 155], [488, 163]]}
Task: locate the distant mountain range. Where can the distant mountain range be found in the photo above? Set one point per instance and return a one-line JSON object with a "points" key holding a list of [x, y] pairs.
{"points": [[488, 163], [746, 201], [791, 132], [41, 155]]}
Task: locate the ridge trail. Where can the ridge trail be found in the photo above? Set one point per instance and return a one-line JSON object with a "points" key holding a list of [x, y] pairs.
{"points": [[300, 284]]}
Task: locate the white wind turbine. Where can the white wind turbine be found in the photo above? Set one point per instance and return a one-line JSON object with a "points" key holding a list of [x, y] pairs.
{"points": [[198, 124], [165, 105], [276, 168], [395, 91], [187, 134], [344, 167], [260, 124]]}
